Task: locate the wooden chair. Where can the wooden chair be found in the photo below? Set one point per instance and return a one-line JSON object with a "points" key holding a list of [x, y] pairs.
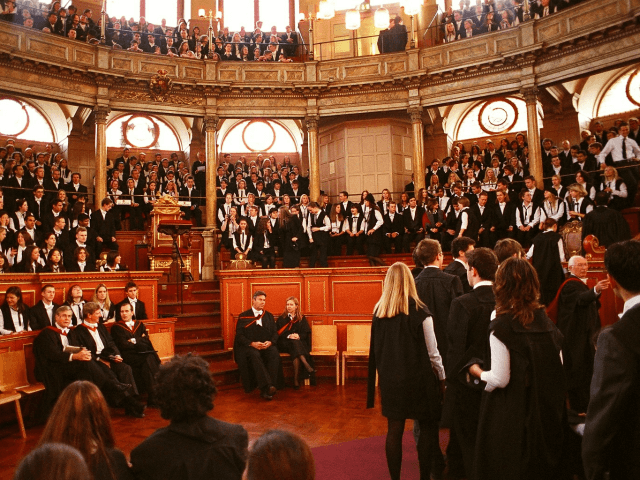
{"points": [[324, 343], [163, 343], [14, 382], [358, 340]]}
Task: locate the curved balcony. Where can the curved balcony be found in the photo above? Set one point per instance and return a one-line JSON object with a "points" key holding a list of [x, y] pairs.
{"points": [[557, 48]]}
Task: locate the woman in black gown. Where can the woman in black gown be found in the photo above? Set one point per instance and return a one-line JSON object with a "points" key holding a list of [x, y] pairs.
{"points": [[405, 355], [294, 338], [291, 230]]}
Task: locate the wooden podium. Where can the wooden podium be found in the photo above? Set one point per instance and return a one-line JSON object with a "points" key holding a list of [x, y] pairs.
{"points": [[166, 213]]}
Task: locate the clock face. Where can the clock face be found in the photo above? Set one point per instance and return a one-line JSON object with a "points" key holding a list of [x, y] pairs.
{"points": [[258, 136], [141, 131]]}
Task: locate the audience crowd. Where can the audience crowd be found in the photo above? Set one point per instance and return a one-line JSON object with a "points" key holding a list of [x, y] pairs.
{"points": [[145, 37]]}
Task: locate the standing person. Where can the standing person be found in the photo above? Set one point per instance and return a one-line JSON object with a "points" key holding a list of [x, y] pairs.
{"points": [[523, 413], [319, 228], [469, 320], [459, 249], [405, 355], [611, 445], [81, 420], [294, 338], [254, 348], [291, 231], [194, 446], [547, 256], [374, 222]]}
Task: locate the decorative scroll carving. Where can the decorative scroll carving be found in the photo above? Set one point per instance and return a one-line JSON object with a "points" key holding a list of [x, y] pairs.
{"points": [[530, 94], [101, 113], [167, 205], [211, 123], [593, 249], [416, 114], [312, 123], [146, 97], [160, 86]]}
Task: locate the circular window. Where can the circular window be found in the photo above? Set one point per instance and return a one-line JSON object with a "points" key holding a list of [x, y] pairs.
{"points": [[633, 88], [14, 119], [141, 131], [498, 116], [258, 136]]}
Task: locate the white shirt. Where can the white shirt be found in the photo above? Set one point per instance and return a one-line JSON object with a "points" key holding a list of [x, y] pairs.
{"points": [[77, 310], [18, 323], [614, 147], [49, 309], [96, 336], [257, 313], [432, 347]]}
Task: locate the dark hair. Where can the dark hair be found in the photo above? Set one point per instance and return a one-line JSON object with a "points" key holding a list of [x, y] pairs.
{"points": [[602, 198], [484, 261], [427, 251], [258, 293], [81, 419], [111, 257], [185, 389], [282, 455], [517, 290], [14, 290], [53, 460], [129, 285], [507, 247], [461, 243], [547, 224], [622, 260]]}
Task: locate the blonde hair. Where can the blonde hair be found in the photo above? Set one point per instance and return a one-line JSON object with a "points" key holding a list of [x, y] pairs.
{"points": [[298, 315], [398, 288]]}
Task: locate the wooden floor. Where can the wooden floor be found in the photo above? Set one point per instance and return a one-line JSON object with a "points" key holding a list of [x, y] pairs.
{"points": [[322, 415]]}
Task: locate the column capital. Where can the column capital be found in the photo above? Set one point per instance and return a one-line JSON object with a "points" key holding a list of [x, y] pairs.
{"points": [[312, 123], [211, 123], [530, 94], [416, 114], [101, 113]]}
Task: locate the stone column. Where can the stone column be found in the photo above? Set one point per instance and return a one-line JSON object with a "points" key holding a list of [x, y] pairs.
{"points": [[314, 158], [210, 234], [100, 189], [418, 148], [530, 95]]}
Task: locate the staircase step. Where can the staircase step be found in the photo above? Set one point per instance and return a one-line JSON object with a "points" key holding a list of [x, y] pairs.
{"points": [[176, 308], [200, 346], [193, 332]]}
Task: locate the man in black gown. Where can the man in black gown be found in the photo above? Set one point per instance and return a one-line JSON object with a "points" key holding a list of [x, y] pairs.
{"points": [[608, 225], [469, 319], [255, 348]]}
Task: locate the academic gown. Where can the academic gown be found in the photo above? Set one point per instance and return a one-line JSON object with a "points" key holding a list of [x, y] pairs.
{"points": [[252, 374], [522, 426], [578, 320], [398, 352], [459, 270], [295, 348], [546, 261], [608, 226]]}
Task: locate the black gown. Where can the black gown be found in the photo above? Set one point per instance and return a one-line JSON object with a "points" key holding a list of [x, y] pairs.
{"points": [[295, 348], [522, 426], [291, 255], [546, 261]]}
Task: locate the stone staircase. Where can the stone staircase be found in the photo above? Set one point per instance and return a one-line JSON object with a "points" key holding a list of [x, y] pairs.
{"points": [[198, 329]]}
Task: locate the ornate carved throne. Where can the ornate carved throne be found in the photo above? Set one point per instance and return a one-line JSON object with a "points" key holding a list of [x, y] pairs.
{"points": [[160, 256]]}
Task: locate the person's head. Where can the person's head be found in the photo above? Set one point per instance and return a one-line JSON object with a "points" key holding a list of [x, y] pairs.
{"points": [[517, 290], [13, 297], [55, 256], [482, 265], [292, 307], [620, 260], [507, 248], [131, 290], [577, 191], [460, 246], [549, 224], [126, 311], [185, 389], [63, 462], [282, 455], [398, 288], [429, 252], [80, 418], [259, 299], [91, 312], [578, 266], [81, 234]]}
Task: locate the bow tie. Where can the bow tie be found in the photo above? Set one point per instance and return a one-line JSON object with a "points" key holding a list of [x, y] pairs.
{"points": [[130, 324]]}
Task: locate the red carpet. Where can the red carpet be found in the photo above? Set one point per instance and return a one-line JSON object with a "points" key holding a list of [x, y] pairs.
{"points": [[365, 459]]}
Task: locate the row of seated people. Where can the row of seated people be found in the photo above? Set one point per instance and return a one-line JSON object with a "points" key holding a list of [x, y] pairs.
{"points": [[493, 15], [143, 36], [74, 343]]}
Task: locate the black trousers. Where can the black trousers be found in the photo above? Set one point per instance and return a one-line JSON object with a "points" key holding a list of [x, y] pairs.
{"points": [[318, 253], [411, 237], [144, 367], [265, 364], [395, 242]]}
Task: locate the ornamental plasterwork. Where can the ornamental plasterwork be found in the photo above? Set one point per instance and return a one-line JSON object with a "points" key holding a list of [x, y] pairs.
{"points": [[146, 97]]}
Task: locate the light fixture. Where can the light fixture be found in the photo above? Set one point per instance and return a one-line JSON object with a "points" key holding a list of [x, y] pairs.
{"points": [[201, 12], [352, 20], [326, 10], [381, 18], [412, 7]]}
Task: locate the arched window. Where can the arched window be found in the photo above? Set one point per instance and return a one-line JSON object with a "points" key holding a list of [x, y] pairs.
{"points": [[19, 119], [251, 136], [141, 131], [622, 96], [495, 117], [153, 11]]}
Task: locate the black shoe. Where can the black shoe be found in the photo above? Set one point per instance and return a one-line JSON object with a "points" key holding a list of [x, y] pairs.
{"points": [[134, 412], [266, 396], [296, 387], [271, 390], [312, 378]]}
